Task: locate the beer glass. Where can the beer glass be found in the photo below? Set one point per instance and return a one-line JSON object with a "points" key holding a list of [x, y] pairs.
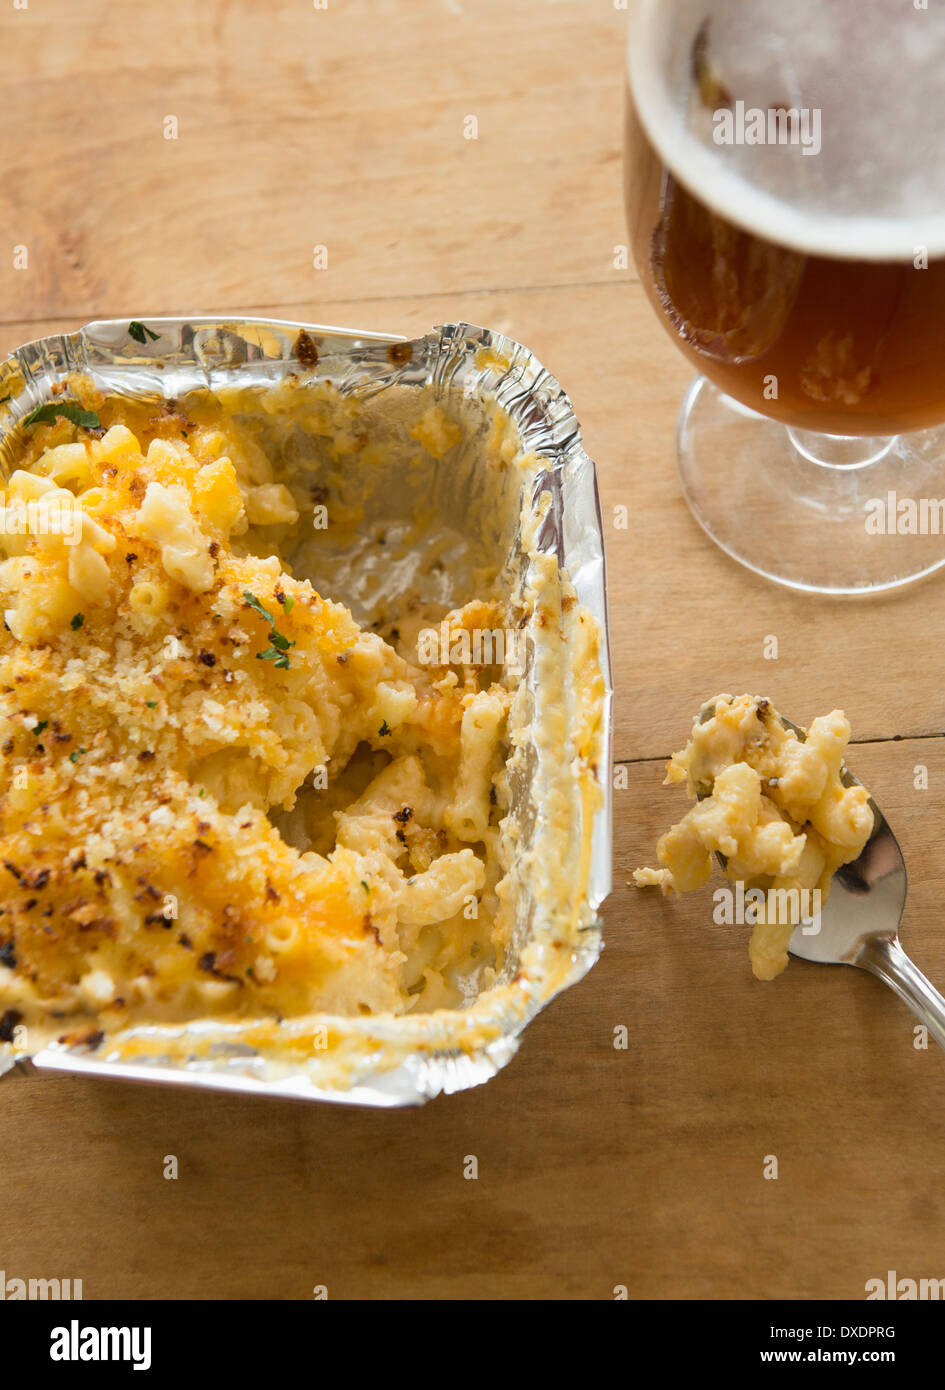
{"points": [[784, 179]]}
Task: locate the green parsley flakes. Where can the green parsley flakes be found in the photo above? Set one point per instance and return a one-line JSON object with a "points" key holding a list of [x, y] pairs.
{"points": [[138, 331], [52, 410], [280, 644], [257, 607]]}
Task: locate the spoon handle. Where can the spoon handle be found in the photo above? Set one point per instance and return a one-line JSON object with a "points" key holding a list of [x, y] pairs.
{"points": [[885, 958]]}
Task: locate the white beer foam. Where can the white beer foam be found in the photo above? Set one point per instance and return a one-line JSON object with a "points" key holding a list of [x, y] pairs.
{"points": [[876, 188]]}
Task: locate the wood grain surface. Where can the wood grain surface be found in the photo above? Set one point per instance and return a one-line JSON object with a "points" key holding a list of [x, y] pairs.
{"points": [[345, 128]]}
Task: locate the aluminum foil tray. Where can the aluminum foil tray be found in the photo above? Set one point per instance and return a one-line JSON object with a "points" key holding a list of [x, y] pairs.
{"points": [[385, 1060]]}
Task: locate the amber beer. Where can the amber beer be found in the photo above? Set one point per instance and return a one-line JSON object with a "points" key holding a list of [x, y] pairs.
{"points": [[842, 346]]}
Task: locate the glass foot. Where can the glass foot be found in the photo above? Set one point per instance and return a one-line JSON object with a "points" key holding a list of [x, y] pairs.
{"points": [[820, 513]]}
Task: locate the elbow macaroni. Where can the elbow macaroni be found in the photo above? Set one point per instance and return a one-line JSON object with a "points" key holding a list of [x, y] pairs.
{"points": [[774, 805], [480, 734], [164, 518]]}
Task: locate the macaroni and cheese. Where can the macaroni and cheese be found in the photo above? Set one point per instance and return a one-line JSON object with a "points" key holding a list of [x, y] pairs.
{"points": [[220, 794], [773, 805]]}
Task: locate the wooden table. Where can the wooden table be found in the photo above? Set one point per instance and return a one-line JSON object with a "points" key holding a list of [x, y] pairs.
{"points": [[346, 128]]}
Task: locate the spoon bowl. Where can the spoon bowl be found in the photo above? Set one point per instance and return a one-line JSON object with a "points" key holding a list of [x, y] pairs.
{"points": [[859, 923]]}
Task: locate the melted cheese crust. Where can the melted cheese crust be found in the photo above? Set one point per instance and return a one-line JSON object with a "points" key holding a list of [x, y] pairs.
{"points": [[218, 794]]}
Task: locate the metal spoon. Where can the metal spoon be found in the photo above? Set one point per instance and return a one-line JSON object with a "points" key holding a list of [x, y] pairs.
{"points": [[859, 924]]}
